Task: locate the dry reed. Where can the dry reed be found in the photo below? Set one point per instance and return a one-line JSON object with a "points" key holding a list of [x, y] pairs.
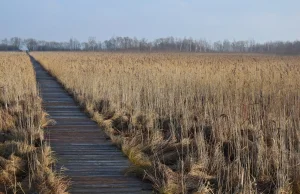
{"points": [[26, 161], [194, 123]]}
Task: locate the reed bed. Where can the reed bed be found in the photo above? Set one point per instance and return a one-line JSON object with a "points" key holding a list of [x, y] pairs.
{"points": [[194, 123], [26, 161]]}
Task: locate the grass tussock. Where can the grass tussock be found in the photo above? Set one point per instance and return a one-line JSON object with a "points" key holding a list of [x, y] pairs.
{"points": [[194, 123], [26, 162]]}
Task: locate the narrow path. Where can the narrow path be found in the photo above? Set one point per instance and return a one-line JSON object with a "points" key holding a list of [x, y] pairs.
{"points": [[93, 164]]}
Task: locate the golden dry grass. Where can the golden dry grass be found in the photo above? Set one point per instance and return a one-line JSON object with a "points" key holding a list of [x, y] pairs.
{"points": [[25, 160], [194, 123]]}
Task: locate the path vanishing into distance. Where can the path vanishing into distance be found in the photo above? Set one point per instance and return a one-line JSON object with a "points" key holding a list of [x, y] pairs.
{"points": [[92, 162]]}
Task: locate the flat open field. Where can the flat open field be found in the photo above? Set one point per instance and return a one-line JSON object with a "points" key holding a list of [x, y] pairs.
{"points": [[194, 123], [25, 160]]}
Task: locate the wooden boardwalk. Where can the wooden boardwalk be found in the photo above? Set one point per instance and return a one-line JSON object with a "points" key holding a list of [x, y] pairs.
{"points": [[93, 164]]}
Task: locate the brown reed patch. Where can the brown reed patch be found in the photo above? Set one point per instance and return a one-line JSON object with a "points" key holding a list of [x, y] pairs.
{"points": [[26, 162], [237, 116]]}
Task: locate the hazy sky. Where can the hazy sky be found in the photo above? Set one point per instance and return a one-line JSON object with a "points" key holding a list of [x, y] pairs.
{"points": [[211, 19]]}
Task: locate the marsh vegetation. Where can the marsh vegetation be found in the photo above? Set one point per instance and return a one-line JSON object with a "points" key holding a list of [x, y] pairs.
{"points": [[194, 123], [26, 161]]}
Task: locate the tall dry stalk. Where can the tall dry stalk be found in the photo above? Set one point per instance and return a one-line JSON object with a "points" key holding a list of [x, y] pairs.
{"points": [[26, 161], [194, 123]]}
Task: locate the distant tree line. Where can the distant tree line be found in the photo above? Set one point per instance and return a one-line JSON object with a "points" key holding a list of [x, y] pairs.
{"points": [[160, 44]]}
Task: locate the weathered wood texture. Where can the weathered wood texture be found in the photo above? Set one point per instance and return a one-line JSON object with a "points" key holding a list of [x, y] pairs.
{"points": [[92, 162]]}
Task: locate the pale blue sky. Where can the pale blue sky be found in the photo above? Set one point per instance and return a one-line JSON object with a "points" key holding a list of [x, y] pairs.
{"points": [[211, 19]]}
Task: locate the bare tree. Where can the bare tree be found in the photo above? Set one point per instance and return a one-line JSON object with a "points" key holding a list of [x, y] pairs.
{"points": [[31, 44], [16, 42], [92, 43], [160, 44]]}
